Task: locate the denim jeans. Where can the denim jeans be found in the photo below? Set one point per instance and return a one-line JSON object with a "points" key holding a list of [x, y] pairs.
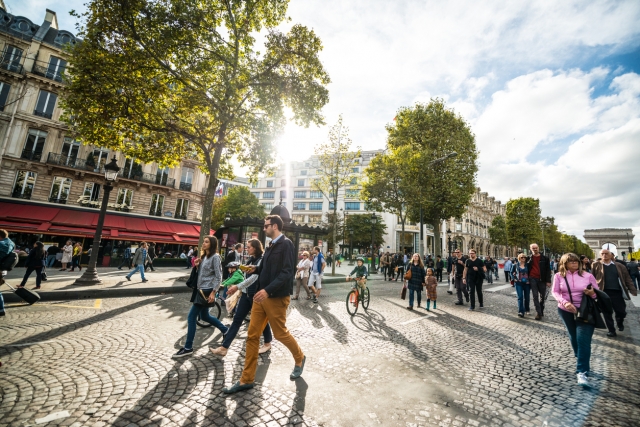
{"points": [[411, 291], [524, 295], [242, 309], [580, 336], [1, 303], [139, 267], [51, 259], [203, 312]]}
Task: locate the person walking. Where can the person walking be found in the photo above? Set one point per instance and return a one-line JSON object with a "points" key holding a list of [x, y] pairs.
{"points": [[209, 279], [273, 289], [614, 279], [302, 275], [75, 258], [632, 267], [34, 262], [52, 251], [152, 256], [569, 284], [457, 270], [6, 247], [329, 259], [488, 266], [539, 277], [449, 278], [520, 277], [400, 266], [385, 264], [189, 257], [139, 260], [508, 266], [317, 272], [431, 286], [67, 255], [393, 264], [416, 281], [126, 258], [439, 268], [472, 276]]}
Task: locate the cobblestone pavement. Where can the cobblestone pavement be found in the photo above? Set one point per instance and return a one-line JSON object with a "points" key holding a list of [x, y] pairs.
{"points": [[108, 362]]}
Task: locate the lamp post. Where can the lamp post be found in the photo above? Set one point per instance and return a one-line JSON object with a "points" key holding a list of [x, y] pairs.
{"points": [[90, 275], [227, 217], [350, 246], [449, 240], [373, 256]]}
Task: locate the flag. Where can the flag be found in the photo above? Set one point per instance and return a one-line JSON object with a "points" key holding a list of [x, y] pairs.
{"points": [[219, 190]]}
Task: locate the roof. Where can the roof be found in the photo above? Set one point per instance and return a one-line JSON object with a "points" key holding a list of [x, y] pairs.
{"points": [[21, 27]]}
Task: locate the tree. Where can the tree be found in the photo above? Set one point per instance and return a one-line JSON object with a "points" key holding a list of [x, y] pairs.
{"points": [[165, 80], [335, 160], [498, 231], [441, 186], [523, 221], [361, 227], [385, 187], [238, 203]]}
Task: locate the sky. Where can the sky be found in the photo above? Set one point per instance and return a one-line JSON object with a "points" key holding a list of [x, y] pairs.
{"points": [[550, 89]]}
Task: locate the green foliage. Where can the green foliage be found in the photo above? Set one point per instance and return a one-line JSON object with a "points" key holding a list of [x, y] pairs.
{"points": [[238, 203], [361, 227], [523, 221], [498, 231], [165, 80]]}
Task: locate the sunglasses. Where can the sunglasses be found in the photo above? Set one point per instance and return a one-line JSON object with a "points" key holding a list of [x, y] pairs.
{"points": [[267, 226]]}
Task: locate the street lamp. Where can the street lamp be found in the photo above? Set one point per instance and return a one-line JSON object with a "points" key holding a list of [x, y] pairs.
{"points": [[227, 217], [373, 257], [350, 246], [90, 275], [449, 240]]}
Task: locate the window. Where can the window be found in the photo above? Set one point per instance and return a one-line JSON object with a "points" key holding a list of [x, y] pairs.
{"points": [[186, 179], [4, 93], [256, 194], [45, 105], [69, 153], [356, 161], [301, 183], [60, 190], [11, 59], [303, 172], [299, 194], [298, 219], [23, 187], [315, 194], [132, 169], [307, 164], [182, 208], [315, 219], [55, 69], [157, 201], [91, 192], [124, 199], [352, 194], [352, 206], [269, 184], [97, 159], [162, 175], [318, 171], [315, 206], [283, 183], [331, 206], [299, 206], [283, 194], [354, 181], [254, 185], [34, 145], [268, 206], [354, 170], [268, 194]]}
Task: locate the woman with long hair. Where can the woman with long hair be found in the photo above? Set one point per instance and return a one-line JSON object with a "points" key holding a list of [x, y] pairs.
{"points": [[248, 289], [34, 262], [417, 280], [520, 276], [569, 284], [209, 279], [586, 263]]}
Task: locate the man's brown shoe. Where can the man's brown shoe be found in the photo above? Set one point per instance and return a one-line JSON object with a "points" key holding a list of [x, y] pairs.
{"points": [[538, 317]]}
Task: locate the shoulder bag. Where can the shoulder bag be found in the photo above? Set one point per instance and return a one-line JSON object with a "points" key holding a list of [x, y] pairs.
{"points": [[202, 298], [192, 282]]}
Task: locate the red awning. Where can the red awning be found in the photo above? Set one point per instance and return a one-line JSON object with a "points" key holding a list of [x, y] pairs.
{"points": [[77, 218], [26, 213], [160, 227]]}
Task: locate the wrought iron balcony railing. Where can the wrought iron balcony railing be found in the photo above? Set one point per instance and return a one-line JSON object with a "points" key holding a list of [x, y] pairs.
{"points": [[11, 65], [31, 155], [185, 186], [42, 114], [48, 74], [68, 161], [148, 177], [56, 200]]}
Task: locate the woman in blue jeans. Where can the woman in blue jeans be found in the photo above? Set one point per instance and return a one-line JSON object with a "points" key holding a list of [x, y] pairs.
{"points": [[417, 281], [248, 289], [520, 276], [209, 280]]}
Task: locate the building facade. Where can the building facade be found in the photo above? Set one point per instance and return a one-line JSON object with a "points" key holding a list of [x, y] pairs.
{"points": [[41, 164]]}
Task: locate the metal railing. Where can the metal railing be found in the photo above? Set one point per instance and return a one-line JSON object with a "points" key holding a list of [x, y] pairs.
{"points": [[59, 201], [154, 212], [18, 195], [11, 65], [149, 178], [31, 155], [42, 114], [176, 216], [68, 161], [46, 73], [185, 186]]}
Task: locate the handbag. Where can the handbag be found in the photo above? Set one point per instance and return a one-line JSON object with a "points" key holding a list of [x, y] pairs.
{"points": [[202, 298], [192, 282], [407, 275], [403, 293], [231, 301]]}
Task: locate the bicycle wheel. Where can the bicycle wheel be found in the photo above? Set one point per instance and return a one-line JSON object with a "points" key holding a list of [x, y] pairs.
{"points": [[214, 311], [352, 302], [365, 298]]}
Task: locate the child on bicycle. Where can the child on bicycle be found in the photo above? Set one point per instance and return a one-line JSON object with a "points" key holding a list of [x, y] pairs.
{"points": [[361, 274]]}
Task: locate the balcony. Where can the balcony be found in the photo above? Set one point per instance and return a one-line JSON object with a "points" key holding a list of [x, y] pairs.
{"points": [[68, 161], [154, 212], [59, 201], [177, 216], [46, 73], [185, 186], [149, 178], [18, 195], [36, 155], [42, 114], [11, 65]]}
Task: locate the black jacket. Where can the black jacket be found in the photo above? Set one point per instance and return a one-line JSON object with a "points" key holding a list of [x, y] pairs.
{"points": [[277, 270], [591, 310], [33, 260], [545, 268]]}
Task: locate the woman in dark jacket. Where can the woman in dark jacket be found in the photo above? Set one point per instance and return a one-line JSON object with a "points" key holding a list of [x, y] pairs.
{"points": [[34, 262], [417, 281]]}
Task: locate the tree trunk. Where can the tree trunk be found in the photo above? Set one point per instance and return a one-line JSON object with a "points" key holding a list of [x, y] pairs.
{"points": [[437, 239], [402, 237], [207, 208], [335, 235]]}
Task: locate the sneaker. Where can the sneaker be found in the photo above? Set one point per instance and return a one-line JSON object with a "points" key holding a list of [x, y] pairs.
{"points": [[481, 305], [520, 314], [182, 353], [144, 280], [458, 303], [315, 300], [583, 380], [612, 334], [450, 293], [471, 309], [128, 278]]}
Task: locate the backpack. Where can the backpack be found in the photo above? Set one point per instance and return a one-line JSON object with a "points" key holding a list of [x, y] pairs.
{"points": [[8, 261]]}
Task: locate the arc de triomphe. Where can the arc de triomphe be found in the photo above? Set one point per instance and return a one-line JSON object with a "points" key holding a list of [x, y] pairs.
{"points": [[622, 238]]}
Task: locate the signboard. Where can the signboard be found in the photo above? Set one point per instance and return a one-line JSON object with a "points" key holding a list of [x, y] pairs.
{"points": [[224, 241], [168, 214]]}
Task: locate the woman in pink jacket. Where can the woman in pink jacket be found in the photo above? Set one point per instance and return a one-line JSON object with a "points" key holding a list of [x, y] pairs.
{"points": [[569, 284]]}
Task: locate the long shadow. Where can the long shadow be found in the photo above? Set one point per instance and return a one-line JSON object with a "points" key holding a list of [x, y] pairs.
{"points": [[317, 312]]}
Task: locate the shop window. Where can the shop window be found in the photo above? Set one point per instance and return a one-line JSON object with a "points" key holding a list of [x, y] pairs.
{"points": [[23, 186], [45, 105], [124, 199], [182, 208], [157, 202], [60, 190], [4, 94]]}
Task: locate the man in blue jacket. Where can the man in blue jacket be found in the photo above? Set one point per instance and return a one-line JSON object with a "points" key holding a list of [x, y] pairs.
{"points": [[276, 274]]}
